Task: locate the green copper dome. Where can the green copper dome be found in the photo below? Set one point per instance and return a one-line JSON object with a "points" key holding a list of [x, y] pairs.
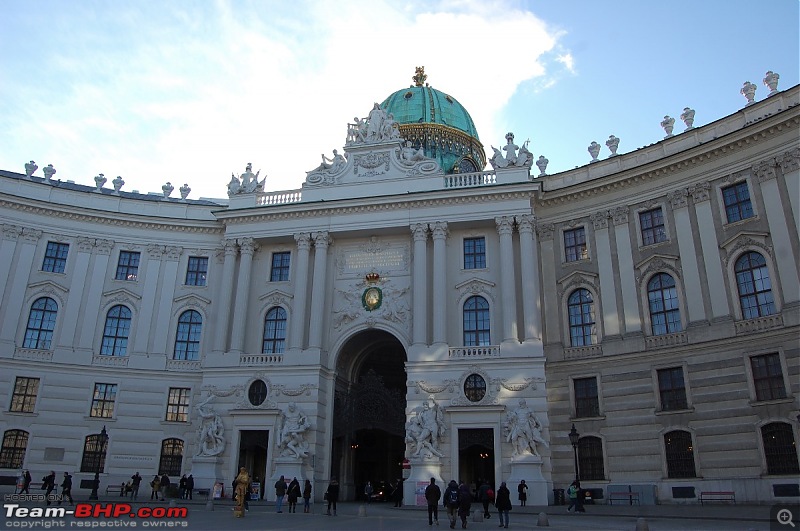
{"points": [[430, 118]]}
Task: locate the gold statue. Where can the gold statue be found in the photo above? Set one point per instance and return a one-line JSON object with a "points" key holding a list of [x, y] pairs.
{"points": [[419, 76], [242, 491]]}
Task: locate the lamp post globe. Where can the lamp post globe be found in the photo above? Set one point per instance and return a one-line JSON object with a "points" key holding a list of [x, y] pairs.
{"points": [[101, 447], [574, 437]]}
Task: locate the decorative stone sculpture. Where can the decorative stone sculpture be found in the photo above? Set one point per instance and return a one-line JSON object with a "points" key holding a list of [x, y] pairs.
{"points": [[594, 150], [771, 81], [613, 144], [541, 163], [49, 171], [167, 189], [377, 127], [688, 118], [99, 181], [511, 149], [424, 429], [184, 190], [211, 439], [511, 158], [118, 184], [30, 167], [749, 92], [293, 424], [523, 430], [410, 156], [668, 123], [247, 183]]}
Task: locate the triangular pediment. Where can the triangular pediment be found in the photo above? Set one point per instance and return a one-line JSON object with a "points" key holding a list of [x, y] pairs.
{"points": [[47, 286], [192, 298], [121, 294]]}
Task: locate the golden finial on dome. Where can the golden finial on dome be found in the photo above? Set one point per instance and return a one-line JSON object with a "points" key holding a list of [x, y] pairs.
{"points": [[419, 76]]}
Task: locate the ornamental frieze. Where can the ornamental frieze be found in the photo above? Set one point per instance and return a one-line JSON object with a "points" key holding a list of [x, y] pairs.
{"points": [[372, 163]]}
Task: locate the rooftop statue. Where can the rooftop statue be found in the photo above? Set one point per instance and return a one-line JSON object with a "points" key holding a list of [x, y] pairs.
{"points": [[748, 90], [688, 118], [511, 158], [668, 123], [378, 126], [771, 81], [247, 183], [419, 76], [410, 156], [613, 144]]}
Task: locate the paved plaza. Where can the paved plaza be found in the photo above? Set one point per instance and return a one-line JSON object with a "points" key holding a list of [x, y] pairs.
{"points": [[376, 517]]}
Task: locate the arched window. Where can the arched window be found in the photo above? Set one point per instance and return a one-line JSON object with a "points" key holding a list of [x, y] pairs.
{"points": [[475, 387], [580, 307], [665, 316], [41, 323], [171, 459], [755, 288], [274, 331], [94, 453], [12, 453], [476, 322], [590, 458], [257, 392], [780, 449], [116, 331], [680, 454], [187, 339]]}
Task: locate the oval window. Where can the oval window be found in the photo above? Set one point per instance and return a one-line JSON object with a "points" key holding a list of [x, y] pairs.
{"points": [[257, 392], [475, 388]]}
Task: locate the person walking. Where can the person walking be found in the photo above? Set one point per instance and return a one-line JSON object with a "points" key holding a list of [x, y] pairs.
{"points": [[155, 484], [433, 494], [397, 493], [165, 484], [26, 482], [49, 483], [280, 492], [182, 487], [332, 495], [450, 501], [189, 486], [464, 503], [66, 489], [522, 489], [485, 498], [136, 480], [307, 496], [368, 490], [292, 494], [575, 497], [502, 502]]}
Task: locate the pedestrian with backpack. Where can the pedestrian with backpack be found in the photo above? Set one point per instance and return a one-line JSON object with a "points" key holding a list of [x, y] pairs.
{"points": [[451, 502], [574, 494]]}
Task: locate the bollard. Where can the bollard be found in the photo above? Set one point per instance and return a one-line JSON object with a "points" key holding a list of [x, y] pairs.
{"points": [[210, 505], [542, 521], [362, 510], [641, 524], [172, 502]]}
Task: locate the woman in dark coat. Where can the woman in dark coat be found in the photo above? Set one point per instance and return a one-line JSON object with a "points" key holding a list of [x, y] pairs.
{"points": [[464, 502], [332, 495], [307, 497], [523, 496], [293, 493], [502, 501]]}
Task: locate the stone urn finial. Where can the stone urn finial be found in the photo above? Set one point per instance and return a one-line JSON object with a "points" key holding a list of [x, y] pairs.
{"points": [[167, 189], [688, 118], [541, 163], [118, 184], [99, 181], [594, 150], [749, 92], [771, 81], [668, 123], [49, 171], [612, 143], [30, 167], [184, 190]]}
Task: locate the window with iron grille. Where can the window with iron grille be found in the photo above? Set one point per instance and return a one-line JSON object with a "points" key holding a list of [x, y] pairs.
{"points": [[580, 307], [476, 322], [590, 458], [475, 387], [103, 399], [652, 226], [274, 331], [94, 453], [780, 449], [755, 288], [116, 331], [196, 271], [680, 454], [475, 253], [662, 296], [41, 323], [587, 402], [187, 337], [178, 404], [23, 400], [737, 202], [171, 460], [128, 266], [575, 245], [257, 392], [671, 389], [280, 267], [768, 376], [12, 453], [55, 257]]}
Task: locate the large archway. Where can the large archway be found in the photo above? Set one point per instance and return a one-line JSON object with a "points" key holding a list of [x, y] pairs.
{"points": [[369, 413]]}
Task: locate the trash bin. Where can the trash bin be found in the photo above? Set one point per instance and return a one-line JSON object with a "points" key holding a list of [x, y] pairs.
{"points": [[558, 497]]}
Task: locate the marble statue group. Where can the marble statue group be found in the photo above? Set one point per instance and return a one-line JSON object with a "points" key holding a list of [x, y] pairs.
{"points": [[424, 429]]}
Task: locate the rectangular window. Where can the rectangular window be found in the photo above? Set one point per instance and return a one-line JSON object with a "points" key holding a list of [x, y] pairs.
{"points": [[55, 257], [475, 253], [178, 404], [128, 266], [280, 267], [671, 389], [587, 403], [737, 202], [768, 377], [652, 224], [196, 271], [103, 400], [575, 245], [24, 398]]}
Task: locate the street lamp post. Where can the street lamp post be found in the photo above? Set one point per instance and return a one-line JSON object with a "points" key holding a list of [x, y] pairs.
{"points": [[574, 437], [101, 443]]}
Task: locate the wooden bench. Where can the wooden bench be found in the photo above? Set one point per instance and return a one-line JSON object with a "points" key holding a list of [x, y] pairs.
{"points": [[718, 496], [629, 497]]}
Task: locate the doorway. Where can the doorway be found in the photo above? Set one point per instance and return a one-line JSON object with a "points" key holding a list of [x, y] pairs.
{"points": [[476, 456], [253, 455]]}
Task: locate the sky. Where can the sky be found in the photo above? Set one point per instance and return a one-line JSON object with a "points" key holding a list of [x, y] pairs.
{"points": [[190, 91]]}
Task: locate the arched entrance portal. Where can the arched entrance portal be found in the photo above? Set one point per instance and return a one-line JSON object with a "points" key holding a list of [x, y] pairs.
{"points": [[369, 413]]}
